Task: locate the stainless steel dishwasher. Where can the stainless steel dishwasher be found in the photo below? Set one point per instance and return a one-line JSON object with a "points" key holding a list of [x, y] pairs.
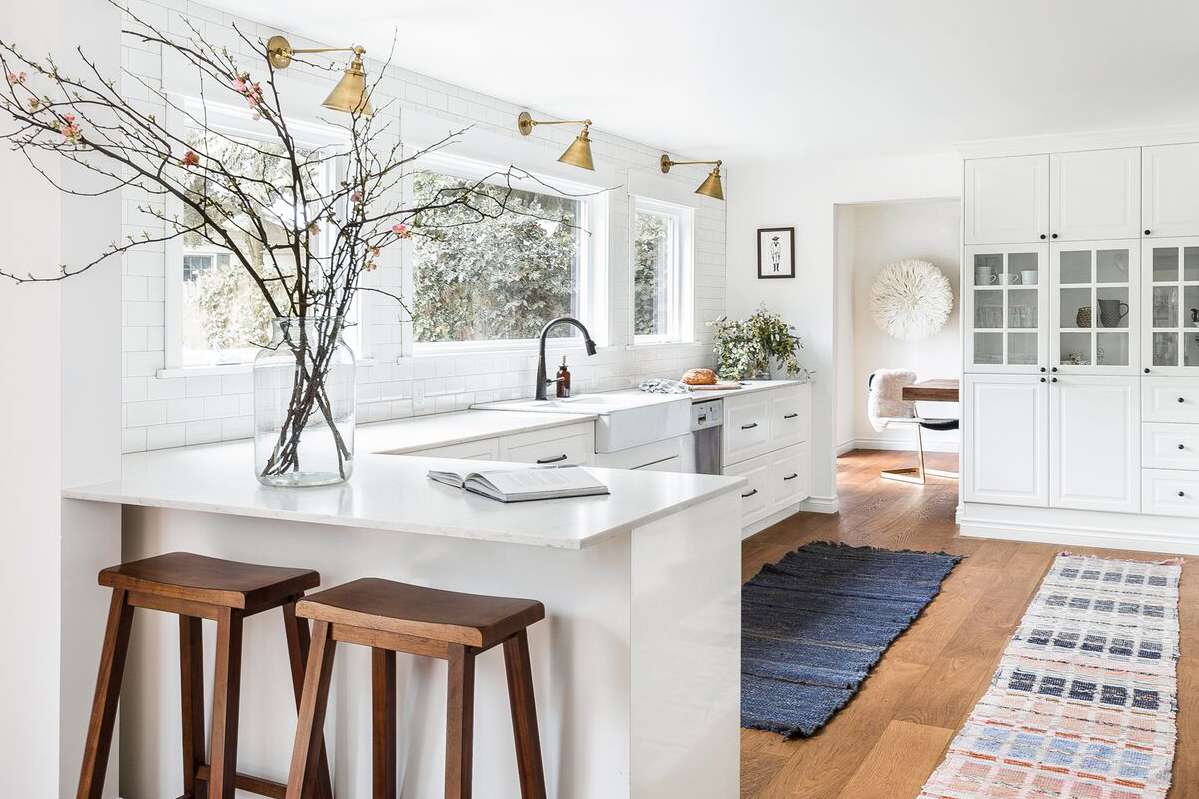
{"points": [[707, 422]]}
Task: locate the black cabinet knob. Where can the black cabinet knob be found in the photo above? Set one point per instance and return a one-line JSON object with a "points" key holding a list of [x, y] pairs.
{"points": [[1180, 399], [1055, 380], [1180, 446], [1054, 235], [1054, 369], [1146, 370], [1147, 232], [1042, 380], [1042, 235], [1042, 368], [1182, 493]]}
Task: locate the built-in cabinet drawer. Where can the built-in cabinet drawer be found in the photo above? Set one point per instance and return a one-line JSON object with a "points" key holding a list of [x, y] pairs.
{"points": [[1169, 492], [1170, 399], [790, 476], [755, 495], [568, 444], [1170, 446], [790, 416], [746, 426]]}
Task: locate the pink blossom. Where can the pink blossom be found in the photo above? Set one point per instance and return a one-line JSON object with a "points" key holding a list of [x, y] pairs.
{"points": [[356, 198], [71, 133], [34, 103], [17, 77], [190, 158], [375, 251], [401, 230], [68, 118]]}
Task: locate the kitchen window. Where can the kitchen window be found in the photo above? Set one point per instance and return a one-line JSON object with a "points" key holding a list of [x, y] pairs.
{"points": [[661, 263], [480, 281]]}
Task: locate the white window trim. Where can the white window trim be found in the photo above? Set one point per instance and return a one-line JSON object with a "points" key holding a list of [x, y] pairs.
{"points": [[592, 260], [682, 316], [236, 121]]}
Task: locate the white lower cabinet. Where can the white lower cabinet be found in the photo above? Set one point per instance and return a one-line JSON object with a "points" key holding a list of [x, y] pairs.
{"points": [[790, 478], [1005, 460], [1095, 443], [755, 494], [1170, 492]]}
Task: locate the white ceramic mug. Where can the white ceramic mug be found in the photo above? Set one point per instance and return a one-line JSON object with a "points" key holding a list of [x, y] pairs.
{"points": [[983, 276], [1028, 277], [1008, 279]]}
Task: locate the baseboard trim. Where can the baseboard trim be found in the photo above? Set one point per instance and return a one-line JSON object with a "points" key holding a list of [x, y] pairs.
{"points": [[847, 446], [1137, 532], [766, 521], [821, 504], [900, 445]]}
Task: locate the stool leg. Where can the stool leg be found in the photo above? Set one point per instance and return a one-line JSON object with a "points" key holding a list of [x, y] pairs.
{"points": [[383, 690], [108, 691], [310, 727], [226, 697], [191, 684], [460, 722], [524, 716], [298, 644]]}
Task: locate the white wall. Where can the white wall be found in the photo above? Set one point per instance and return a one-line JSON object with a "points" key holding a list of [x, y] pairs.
{"points": [[804, 194], [876, 234], [59, 424], [173, 409]]}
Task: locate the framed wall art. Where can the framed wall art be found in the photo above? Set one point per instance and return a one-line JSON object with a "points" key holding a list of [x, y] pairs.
{"points": [[776, 252]]}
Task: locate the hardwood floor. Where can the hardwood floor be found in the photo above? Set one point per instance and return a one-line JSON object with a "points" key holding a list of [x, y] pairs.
{"points": [[886, 742]]}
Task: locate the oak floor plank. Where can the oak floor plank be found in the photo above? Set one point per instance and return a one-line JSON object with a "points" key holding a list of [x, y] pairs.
{"points": [[890, 736]]}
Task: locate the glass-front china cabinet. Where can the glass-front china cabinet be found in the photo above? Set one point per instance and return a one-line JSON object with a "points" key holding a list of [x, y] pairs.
{"points": [[1005, 308], [1095, 312], [1171, 297]]}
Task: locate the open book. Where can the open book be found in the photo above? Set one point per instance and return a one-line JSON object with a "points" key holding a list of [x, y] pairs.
{"points": [[522, 485]]}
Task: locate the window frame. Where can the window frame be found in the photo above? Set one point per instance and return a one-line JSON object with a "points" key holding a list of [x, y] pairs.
{"points": [[591, 273], [681, 286], [238, 122]]}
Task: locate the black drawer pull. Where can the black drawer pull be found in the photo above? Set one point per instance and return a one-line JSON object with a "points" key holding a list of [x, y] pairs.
{"points": [[1180, 446], [790, 415], [1182, 493], [752, 425], [1182, 399], [561, 457], [791, 476], [752, 491]]}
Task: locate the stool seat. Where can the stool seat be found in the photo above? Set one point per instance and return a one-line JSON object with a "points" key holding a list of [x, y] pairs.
{"points": [[212, 581], [430, 613]]}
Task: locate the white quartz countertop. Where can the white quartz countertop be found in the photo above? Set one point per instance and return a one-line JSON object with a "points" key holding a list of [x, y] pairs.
{"points": [[392, 492], [747, 387], [443, 429]]}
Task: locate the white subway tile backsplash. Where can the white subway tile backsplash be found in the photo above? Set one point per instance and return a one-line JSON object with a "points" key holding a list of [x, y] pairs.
{"points": [[185, 410]]}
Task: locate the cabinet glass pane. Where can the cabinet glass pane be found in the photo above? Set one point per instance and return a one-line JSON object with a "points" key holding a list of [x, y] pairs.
{"points": [[1165, 264], [1022, 348], [1112, 304], [988, 308], [987, 267], [1165, 306], [1111, 266], [1165, 349], [1191, 349], [1190, 263], [1076, 267], [1190, 308], [1076, 349], [1022, 308], [1075, 308], [1111, 349], [1023, 266], [988, 348]]}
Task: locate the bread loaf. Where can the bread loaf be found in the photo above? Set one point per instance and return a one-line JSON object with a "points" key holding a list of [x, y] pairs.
{"points": [[699, 377]]}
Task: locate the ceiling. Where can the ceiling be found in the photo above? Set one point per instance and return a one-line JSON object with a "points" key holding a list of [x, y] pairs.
{"points": [[749, 79]]}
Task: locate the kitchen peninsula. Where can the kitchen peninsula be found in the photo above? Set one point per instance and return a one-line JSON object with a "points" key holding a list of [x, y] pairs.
{"points": [[636, 666]]}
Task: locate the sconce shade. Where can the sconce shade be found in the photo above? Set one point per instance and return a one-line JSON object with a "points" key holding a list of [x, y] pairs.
{"points": [[349, 95], [579, 152], [711, 187]]}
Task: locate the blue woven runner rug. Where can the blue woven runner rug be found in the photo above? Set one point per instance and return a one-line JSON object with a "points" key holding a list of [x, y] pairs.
{"points": [[814, 624]]}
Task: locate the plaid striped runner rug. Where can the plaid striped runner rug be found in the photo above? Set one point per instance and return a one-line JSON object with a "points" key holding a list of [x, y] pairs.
{"points": [[1083, 703]]}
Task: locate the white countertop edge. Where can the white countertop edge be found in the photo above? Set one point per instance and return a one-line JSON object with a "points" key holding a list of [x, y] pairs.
{"points": [[371, 437]]}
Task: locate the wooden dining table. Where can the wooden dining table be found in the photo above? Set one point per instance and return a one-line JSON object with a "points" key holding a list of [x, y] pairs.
{"points": [[940, 390]]}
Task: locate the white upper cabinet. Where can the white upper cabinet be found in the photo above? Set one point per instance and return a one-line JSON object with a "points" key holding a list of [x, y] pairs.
{"points": [[1007, 200], [1095, 194], [1095, 443], [1170, 190]]}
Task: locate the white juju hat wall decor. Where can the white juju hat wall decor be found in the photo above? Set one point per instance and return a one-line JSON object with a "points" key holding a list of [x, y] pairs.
{"points": [[911, 299]]}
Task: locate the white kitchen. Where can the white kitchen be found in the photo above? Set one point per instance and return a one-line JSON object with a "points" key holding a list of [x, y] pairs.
{"points": [[483, 400]]}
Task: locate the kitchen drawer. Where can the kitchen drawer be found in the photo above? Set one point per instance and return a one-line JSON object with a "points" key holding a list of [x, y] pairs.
{"points": [[1170, 446], [790, 415], [790, 476], [1170, 399], [755, 496], [569, 444], [487, 449], [746, 427], [1169, 492]]}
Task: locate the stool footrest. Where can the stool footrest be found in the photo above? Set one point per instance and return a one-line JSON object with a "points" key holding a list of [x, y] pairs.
{"points": [[396, 642], [246, 782]]}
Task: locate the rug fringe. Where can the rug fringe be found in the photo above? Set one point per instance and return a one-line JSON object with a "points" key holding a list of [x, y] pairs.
{"points": [[1177, 561]]}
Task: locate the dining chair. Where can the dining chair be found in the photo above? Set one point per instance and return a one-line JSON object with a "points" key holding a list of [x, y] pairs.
{"points": [[886, 408]]}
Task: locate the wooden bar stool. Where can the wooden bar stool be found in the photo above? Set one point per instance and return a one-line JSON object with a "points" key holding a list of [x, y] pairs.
{"points": [[197, 587], [394, 617]]}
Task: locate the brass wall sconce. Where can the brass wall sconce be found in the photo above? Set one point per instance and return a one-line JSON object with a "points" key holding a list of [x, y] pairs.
{"points": [[578, 153], [711, 187], [349, 95]]}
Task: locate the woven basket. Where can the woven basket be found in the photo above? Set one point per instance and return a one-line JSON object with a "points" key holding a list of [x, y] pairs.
{"points": [[1083, 317]]}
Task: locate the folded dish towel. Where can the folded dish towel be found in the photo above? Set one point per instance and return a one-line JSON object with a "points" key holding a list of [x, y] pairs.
{"points": [[663, 385]]}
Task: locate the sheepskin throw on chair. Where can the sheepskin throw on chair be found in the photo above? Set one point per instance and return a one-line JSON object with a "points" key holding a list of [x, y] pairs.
{"points": [[911, 299]]}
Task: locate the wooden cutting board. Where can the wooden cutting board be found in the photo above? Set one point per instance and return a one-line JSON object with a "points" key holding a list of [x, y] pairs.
{"points": [[717, 387]]}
